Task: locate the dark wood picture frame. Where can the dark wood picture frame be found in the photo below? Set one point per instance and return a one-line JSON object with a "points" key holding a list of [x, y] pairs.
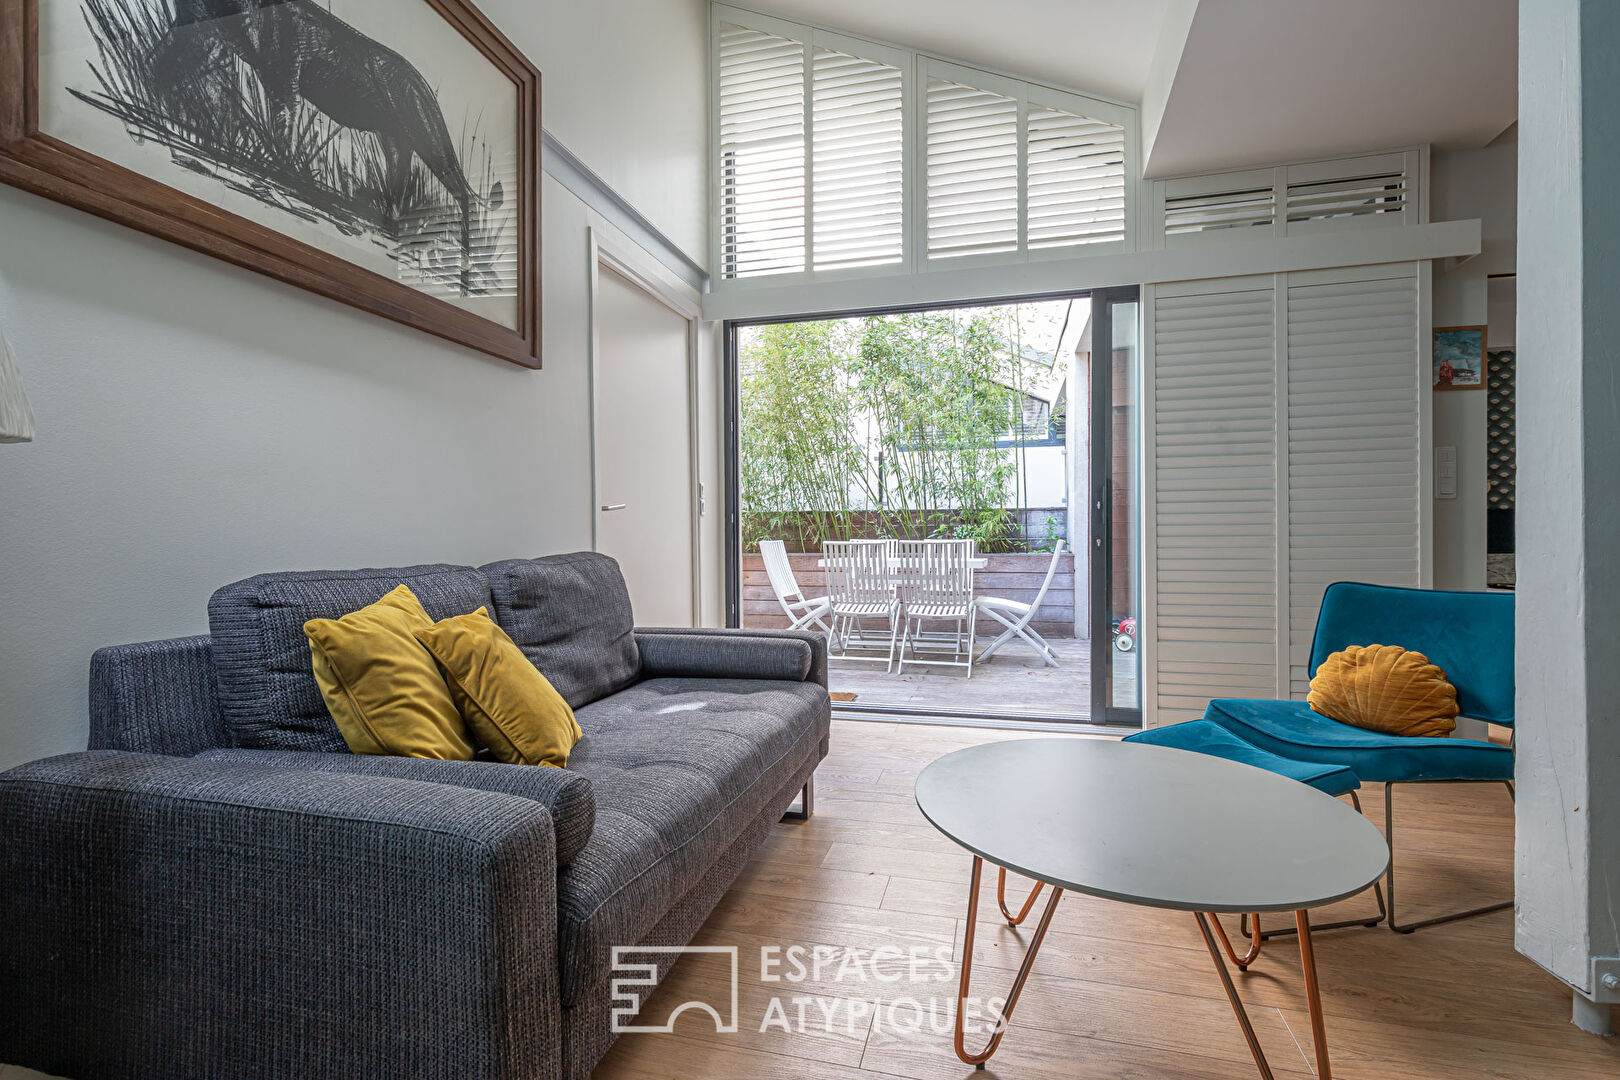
{"points": [[39, 163]]}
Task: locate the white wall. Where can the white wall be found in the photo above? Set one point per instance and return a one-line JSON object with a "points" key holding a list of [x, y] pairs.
{"points": [[1471, 184], [199, 423]]}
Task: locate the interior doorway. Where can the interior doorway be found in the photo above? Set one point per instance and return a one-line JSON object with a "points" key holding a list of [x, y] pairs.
{"points": [[643, 381], [971, 423]]}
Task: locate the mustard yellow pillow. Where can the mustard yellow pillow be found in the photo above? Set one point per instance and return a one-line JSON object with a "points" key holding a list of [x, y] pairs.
{"points": [[382, 687], [1385, 688], [510, 707]]}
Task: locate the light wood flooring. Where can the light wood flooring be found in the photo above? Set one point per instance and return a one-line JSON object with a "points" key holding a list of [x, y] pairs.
{"points": [[1118, 992]]}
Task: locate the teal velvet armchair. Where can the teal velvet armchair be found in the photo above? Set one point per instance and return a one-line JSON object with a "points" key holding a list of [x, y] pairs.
{"points": [[1468, 634]]}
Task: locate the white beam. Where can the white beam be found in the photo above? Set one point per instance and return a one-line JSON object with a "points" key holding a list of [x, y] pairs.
{"points": [[761, 299]]}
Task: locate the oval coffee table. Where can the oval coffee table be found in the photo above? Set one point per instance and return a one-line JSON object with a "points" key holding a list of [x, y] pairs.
{"points": [[1154, 826]]}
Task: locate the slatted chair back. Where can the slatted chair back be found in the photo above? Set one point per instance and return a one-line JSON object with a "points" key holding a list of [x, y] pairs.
{"points": [[1051, 572], [780, 571], [857, 572], [934, 573]]}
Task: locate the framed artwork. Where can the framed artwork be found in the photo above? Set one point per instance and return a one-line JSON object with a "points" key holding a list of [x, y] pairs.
{"points": [[1459, 358], [384, 153]]}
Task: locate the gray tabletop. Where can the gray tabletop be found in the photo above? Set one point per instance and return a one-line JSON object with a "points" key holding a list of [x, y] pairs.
{"points": [[1151, 825]]}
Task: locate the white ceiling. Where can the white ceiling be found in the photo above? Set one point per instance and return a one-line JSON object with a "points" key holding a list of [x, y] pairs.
{"points": [[1104, 46], [1258, 81], [1269, 80]]}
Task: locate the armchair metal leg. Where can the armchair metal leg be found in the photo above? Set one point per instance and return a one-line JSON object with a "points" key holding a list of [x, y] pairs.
{"points": [[807, 802], [1389, 875], [1244, 923]]}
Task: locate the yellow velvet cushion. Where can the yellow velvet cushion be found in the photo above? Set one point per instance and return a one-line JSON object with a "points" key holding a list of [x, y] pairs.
{"points": [[1385, 688], [510, 707], [382, 687]]}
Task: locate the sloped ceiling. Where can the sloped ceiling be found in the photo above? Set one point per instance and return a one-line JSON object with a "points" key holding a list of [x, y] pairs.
{"points": [[1268, 80]]}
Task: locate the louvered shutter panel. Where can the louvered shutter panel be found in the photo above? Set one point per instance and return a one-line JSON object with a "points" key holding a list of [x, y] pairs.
{"points": [[972, 151], [858, 153], [762, 153], [1214, 499], [1076, 181], [1354, 442]]}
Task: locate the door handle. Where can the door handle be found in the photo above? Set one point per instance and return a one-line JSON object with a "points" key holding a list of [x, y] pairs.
{"points": [[613, 506]]}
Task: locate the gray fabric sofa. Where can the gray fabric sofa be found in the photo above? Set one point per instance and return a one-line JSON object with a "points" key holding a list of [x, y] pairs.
{"points": [[218, 888]]}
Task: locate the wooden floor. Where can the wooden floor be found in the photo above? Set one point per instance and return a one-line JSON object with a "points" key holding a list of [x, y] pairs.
{"points": [[1118, 993]]}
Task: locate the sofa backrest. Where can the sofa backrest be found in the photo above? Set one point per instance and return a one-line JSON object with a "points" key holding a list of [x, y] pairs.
{"points": [[570, 614], [267, 689]]}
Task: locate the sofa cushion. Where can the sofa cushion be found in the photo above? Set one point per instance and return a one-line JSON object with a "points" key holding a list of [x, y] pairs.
{"points": [[570, 614], [267, 687], [679, 767], [1291, 729]]}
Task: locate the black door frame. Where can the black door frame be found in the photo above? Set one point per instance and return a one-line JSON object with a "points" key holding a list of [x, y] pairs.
{"points": [[1100, 557], [1098, 563]]}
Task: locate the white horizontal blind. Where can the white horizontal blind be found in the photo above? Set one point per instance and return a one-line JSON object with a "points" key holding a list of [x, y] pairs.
{"points": [[762, 153], [1353, 445], [1346, 196], [1214, 211], [1076, 185], [972, 151], [858, 146], [1214, 498]]}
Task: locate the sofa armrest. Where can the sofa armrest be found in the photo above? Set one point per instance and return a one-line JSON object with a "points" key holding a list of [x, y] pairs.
{"points": [[707, 653], [566, 796], [167, 916]]}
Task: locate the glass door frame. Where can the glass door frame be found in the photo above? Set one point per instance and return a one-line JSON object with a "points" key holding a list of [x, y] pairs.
{"points": [[1100, 561]]}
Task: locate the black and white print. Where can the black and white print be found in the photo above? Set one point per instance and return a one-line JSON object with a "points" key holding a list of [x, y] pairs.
{"points": [[371, 129]]}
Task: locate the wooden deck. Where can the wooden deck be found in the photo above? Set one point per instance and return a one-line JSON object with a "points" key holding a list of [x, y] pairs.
{"points": [[1118, 992], [1013, 681]]}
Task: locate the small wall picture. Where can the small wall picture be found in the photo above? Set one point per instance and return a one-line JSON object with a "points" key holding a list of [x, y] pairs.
{"points": [[1459, 358]]}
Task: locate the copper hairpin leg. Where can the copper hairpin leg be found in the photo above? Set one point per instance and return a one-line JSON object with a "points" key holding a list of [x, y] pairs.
{"points": [[1255, 941], [1023, 971], [1313, 994]]}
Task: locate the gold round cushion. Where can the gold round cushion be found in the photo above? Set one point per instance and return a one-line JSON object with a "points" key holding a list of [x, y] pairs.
{"points": [[1385, 688]]}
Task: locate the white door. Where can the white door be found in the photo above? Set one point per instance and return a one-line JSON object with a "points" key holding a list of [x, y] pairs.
{"points": [[644, 476]]}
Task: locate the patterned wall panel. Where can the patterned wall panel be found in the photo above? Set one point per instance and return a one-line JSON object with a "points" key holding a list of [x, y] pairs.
{"points": [[1501, 442]]}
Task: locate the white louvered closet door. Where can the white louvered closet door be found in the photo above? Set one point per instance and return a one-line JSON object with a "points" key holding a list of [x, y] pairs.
{"points": [[1284, 452], [1355, 437], [1212, 463]]}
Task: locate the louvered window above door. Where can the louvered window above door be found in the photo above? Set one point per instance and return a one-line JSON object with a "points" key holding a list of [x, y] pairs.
{"points": [[836, 155], [1284, 443], [858, 161], [1014, 168], [762, 153], [972, 171]]}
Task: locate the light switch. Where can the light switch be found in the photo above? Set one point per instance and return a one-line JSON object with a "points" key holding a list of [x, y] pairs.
{"points": [[1445, 472]]}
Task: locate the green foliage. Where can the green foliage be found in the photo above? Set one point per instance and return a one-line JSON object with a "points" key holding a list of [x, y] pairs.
{"points": [[880, 426]]}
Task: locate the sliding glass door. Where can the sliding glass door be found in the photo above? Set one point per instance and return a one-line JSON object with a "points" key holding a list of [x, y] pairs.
{"points": [[1115, 550]]}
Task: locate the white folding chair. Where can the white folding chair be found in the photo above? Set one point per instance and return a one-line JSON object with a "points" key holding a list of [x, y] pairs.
{"points": [[936, 585], [1016, 616], [803, 612], [859, 588]]}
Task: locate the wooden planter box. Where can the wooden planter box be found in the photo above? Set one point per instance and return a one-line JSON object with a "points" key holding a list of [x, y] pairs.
{"points": [[1016, 577]]}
